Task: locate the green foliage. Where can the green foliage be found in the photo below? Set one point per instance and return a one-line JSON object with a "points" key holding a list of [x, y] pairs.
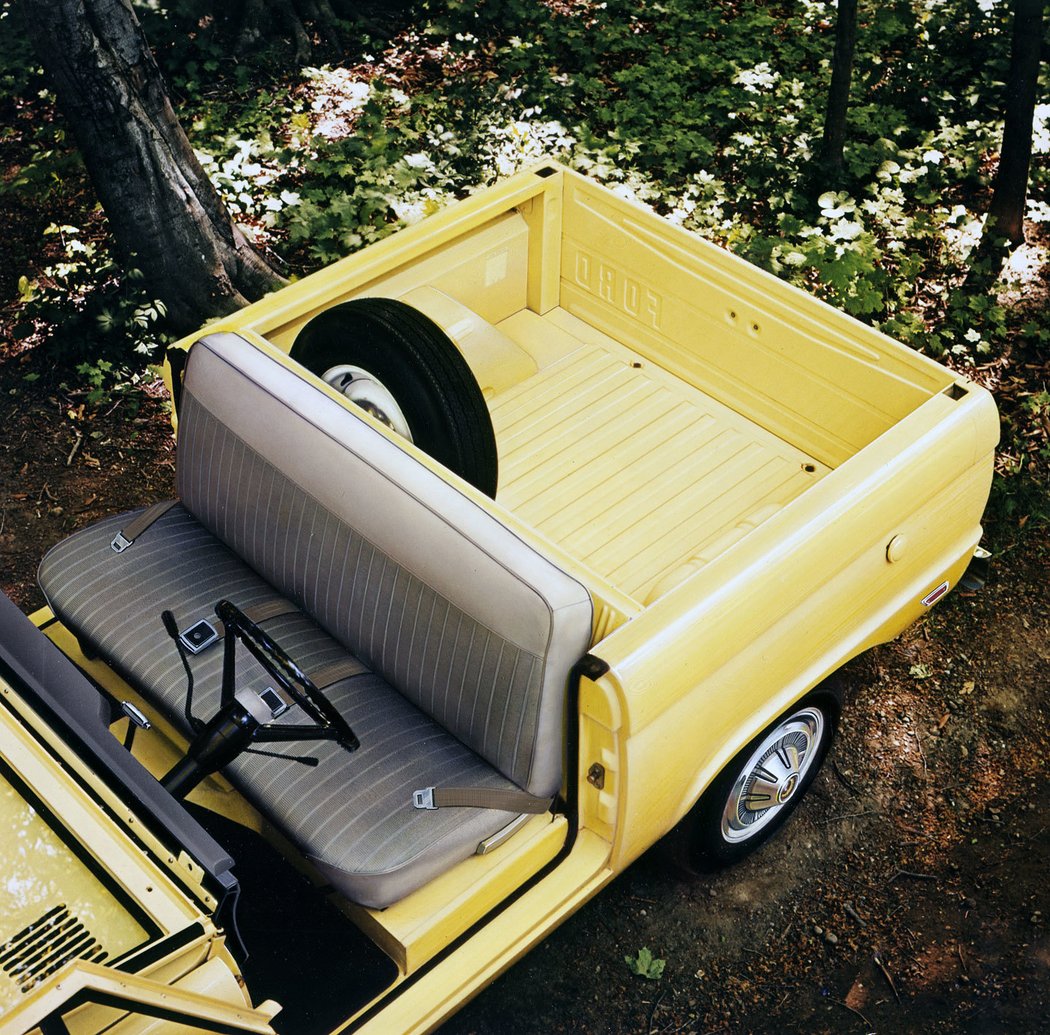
{"points": [[108, 383], [18, 67], [358, 187], [710, 113], [1021, 493], [90, 307], [50, 162], [646, 965]]}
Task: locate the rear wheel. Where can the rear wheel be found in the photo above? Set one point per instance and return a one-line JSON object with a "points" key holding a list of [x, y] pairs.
{"points": [[399, 366], [752, 798]]}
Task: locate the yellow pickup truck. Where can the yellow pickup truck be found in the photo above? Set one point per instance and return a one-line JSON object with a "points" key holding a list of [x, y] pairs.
{"points": [[503, 549]]}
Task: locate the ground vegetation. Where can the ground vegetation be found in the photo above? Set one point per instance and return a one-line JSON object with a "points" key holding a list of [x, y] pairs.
{"points": [[713, 114]]}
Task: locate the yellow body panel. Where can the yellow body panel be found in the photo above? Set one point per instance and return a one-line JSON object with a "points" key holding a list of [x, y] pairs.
{"points": [[206, 996], [415, 929], [82, 862], [721, 459], [422, 1005]]}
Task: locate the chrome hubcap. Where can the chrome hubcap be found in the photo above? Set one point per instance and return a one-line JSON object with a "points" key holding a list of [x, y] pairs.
{"points": [[367, 391], [772, 775]]}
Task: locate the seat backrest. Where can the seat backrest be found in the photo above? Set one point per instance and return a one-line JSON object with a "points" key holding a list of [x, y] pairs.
{"points": [[403, 567]]}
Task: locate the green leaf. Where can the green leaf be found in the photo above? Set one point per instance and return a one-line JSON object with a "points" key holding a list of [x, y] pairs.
{"points": [[646, 965]]}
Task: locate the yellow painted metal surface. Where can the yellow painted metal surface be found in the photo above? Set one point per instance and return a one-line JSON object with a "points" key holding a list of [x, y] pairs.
{"points": [[50, 900], [113, 890], [636, 474], [766, 624], [799, 368], [415, 929], [420, 1006], [146, 1006], [721, 459], [99, 837]]}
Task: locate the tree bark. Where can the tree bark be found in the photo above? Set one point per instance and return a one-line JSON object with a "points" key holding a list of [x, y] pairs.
{"points": [[259, 18], [834, 138], [257, 25], [165, 216], [1006, 211]]}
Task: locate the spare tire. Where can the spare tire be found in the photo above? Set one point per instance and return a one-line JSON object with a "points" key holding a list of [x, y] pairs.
{"points": [[397, 364]]}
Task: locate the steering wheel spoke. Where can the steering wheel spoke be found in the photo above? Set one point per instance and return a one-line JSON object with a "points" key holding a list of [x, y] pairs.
{"points": [[329, 724], [234, 728]]}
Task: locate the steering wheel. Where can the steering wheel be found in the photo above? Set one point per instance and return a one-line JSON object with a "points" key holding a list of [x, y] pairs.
{"points": [[291, 677]]}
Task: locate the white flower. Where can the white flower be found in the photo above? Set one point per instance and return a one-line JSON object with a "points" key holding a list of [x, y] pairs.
{"points": [[833, 205], [845, 230], [757, 79], [1038, 211], [622, 190], [1041, 130], [408, 212]]}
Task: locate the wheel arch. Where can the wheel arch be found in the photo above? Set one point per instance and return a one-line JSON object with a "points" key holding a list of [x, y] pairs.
{"points": [[687, 844], [832, 686]]}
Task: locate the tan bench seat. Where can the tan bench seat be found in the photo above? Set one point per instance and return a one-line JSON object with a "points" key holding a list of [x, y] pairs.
{"points": [[467, 633]]}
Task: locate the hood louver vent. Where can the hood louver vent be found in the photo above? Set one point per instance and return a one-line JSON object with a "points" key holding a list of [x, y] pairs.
{"points": [[45, 945]]}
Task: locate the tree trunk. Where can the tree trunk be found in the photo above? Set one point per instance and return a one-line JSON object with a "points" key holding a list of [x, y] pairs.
{"points": [[834, 138], [258, 24], [1006, 211], [164, 213], [261, 19]]}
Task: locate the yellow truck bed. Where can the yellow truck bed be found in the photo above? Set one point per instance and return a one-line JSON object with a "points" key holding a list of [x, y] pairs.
{"points": [[753, 486], [654, 399], [639, 476]]}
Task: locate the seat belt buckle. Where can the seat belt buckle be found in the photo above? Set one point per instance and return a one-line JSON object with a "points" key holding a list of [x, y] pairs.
{"points": [[120, 543], [199, 636], [424, 798]]}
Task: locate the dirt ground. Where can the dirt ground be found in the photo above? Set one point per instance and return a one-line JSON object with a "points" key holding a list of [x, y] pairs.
{"points": [[909, 892]]}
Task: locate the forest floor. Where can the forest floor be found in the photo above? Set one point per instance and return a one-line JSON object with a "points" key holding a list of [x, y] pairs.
{"points": [[908, 894]]}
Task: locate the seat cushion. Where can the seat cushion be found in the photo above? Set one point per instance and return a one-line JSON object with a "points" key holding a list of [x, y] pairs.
{"points": [[408, 570], [352, 815]]}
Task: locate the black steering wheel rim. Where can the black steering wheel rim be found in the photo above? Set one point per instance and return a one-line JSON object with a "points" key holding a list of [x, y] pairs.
{"points": [[279, 664]]}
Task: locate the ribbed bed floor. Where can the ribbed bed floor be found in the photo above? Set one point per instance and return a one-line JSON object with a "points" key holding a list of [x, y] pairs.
{"points": [[630, 470]]}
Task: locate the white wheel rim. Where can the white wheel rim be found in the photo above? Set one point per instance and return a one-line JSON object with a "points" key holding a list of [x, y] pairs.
{"points": [[367, 391], [772, 776]]}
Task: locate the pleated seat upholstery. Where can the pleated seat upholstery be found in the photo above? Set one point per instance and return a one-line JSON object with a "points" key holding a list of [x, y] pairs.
{"points": [[466, 635]]}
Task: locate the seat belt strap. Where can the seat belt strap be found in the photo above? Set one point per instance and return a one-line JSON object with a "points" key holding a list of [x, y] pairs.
{"points": [[479, 798], [138, 524], [273, 608], [207, 632], [336, 672]]}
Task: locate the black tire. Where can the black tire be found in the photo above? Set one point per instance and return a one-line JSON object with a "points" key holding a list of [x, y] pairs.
{"points": [[720, 829], [416, 363]]}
